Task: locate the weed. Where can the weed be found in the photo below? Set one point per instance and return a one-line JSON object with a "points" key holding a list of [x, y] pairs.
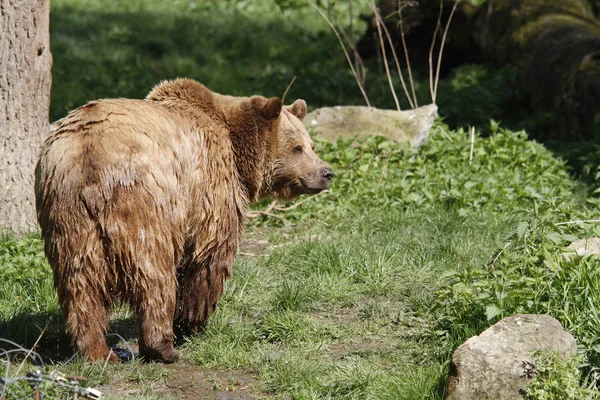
{"points": [[557, 378]]}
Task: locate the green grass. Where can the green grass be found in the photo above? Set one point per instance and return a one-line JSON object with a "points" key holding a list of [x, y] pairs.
{"points": [[116, 48], [122, 49], [557, 378], [367, 290]]}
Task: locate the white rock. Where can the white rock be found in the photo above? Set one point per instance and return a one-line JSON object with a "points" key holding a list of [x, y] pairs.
{"points": [[411, 126]]}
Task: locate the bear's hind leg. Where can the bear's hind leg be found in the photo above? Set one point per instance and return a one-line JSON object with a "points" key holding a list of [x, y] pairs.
{"points": [[86, 316], [80, 277], [155, 306]]}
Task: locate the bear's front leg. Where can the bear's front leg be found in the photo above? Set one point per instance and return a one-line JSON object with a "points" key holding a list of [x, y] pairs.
{"points": [[200, 288]]}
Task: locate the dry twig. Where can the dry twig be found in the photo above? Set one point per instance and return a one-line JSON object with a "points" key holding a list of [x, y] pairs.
{"points": [[472, 145], [268, 212], [359, 64], [439, 63], [32, 349], [410, 78], [360, 86], [435, 32], [391, 43], [379, 22], [287, 88], [585, 221]]}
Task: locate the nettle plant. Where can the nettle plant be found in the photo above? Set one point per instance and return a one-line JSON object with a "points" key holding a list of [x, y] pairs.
{"points": [[533, 273], [557, 378], [500, 173]]}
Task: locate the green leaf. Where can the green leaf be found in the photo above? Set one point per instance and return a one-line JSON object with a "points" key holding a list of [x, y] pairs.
{"points": [[555, 237], [491, 312]]}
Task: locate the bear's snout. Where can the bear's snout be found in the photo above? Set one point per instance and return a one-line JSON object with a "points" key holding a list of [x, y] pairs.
{"points": [[327, 173]]}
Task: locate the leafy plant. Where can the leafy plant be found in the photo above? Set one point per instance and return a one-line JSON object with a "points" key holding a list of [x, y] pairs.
{"points": [[508, 172], [557, 378]]}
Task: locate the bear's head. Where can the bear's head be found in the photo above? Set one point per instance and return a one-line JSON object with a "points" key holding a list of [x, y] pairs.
{"points": [[295, 169]]}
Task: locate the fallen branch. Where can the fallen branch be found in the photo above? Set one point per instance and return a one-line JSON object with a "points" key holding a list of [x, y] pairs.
{"points": [[268, 212]]}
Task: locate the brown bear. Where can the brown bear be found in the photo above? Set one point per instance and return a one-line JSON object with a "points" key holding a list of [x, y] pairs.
{"points": [[145, 200]]}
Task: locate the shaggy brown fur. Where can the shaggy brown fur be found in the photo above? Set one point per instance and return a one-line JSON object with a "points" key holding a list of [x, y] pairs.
{"points": [[144, 200]]}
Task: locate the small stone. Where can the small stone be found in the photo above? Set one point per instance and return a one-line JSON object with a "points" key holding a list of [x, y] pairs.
{"points": [[585, 247]]}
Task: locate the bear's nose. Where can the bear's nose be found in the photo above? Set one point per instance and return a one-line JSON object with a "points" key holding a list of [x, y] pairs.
{"points": [[327, 173]]}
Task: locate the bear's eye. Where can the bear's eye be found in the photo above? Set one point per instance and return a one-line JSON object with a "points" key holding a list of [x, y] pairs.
{"points": [[298, 149]]}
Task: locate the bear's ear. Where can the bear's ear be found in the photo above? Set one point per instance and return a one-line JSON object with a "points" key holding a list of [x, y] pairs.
{"points": [[272, 108], [299, 109]]}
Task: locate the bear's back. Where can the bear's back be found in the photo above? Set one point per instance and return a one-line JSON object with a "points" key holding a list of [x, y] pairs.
{"points": [[110, 145]]}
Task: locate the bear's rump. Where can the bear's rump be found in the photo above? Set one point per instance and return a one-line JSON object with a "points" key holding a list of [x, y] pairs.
{"points": [[117, 191]]}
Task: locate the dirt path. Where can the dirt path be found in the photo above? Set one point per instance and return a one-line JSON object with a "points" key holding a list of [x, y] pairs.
{"points": [[185, 381]]}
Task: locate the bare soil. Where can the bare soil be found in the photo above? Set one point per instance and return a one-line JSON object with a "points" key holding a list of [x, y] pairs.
{"points": [[185, 381]]}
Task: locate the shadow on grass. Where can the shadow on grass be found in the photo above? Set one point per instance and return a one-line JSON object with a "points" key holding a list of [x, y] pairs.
{"points": [[101, 54], [54, 344]]}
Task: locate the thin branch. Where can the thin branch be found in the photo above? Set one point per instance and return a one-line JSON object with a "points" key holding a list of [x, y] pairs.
{"points": [[360, 66], [287, 88], [350, 14], [254, 214], [446, 134], [360, 86], [383, 54], [300, 202], [435, 32], [391, 43], [410, 78], [585, 221], [34, 345], [269, 211], [439, 63], [499, 254], [110, 353], [472, 145], [258, 214]]}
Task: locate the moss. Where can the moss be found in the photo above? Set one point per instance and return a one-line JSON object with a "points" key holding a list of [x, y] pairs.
{"points": [[530, 30], [553, 44]]}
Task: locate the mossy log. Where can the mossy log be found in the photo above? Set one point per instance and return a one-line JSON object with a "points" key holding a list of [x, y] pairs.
{"points": [[556, 46]]}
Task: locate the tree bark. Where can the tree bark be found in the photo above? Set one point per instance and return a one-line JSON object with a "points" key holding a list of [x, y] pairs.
{"points": [[25, 80]]}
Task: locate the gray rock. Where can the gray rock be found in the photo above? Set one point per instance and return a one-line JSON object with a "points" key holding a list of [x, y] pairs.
{"points": [[585, 247], [498, 363], [411, 126]]}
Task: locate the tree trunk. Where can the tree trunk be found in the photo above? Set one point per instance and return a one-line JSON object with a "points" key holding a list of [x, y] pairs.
{"points": [[556, 46], [25, 81]]}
